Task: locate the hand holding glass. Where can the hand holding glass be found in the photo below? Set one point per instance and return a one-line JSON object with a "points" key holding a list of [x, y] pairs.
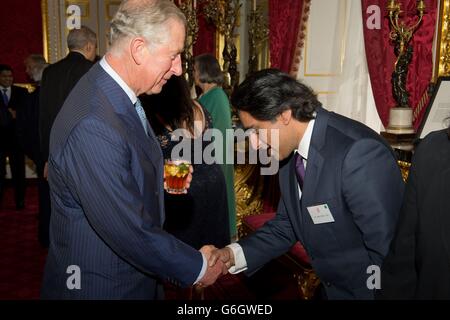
{"points": [[176, 173]]}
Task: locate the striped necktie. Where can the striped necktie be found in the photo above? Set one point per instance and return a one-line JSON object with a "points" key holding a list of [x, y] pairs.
{"points": [[141, 113], [5, 96]]}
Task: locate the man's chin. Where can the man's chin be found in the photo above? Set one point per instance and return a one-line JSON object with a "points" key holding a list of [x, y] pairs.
{"points": [[157, 88], [154, 90]]}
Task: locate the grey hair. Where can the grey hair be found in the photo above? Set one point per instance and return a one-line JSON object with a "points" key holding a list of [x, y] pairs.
{"points": [[37, 59], [38, 65], [77, 39], [144, 18]]}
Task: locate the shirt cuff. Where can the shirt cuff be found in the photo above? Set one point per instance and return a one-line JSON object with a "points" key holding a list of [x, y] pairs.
{"points": [[203, 271], [240, 263]]}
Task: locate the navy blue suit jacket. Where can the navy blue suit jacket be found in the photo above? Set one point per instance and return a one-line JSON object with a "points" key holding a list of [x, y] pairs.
{"points": [[352, 170], [106, 183]]}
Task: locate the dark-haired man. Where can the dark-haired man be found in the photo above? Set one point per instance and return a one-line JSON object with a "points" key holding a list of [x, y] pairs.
{"points": [[12, 99], [341, 189]]}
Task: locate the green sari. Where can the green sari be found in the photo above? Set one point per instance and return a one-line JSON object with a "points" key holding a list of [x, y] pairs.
{"points": [[217, 103]]}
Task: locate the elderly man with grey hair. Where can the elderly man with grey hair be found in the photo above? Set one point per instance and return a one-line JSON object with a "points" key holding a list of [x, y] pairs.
{"points": [[34, 66], [106, 171]]}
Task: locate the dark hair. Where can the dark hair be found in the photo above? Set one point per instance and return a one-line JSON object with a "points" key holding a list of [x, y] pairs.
{"points": [[208, 69], [5, 67], [173, 106], [267, 93]]}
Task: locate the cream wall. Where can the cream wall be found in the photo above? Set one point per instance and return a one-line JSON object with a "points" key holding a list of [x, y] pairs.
{"points": [[323, 50], [334, 61]]}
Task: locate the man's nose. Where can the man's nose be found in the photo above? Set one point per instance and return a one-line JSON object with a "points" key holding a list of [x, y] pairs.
{"points": [[177, 69]]}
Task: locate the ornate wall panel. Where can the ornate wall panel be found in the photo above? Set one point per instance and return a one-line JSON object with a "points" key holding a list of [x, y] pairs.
{"points": [[442, 61]]}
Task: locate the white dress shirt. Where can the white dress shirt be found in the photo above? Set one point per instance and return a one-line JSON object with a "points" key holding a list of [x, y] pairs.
{"points": [[130, 93], [240, 263], [109, 70]]}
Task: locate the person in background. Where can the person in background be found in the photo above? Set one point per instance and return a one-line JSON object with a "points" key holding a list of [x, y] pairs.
{"points": [[106, 171], [60, 78], [28, 121], [209, 78], [57, 82], [13, 99], [341, 187], [204, 218], [418, 261], [199, 217]]}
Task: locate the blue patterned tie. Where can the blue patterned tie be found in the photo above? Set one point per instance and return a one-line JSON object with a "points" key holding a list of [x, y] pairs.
{"points": [[141, 113], [5, 96], [299, 169]]}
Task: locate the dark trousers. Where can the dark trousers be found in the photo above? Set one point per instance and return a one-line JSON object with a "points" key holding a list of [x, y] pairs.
{"points": [[44, 205], [17, 165]]}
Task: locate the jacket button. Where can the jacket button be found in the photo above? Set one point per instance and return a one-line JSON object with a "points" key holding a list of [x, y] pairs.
{"points": [[328, 284]]}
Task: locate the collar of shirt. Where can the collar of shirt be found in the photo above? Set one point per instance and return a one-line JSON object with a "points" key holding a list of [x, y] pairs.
{"points": [[303, 146], [109, 70], [8, 90]]}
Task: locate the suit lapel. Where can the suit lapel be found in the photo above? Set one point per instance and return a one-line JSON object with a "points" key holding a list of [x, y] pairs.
{"points": [[315, 159], [289, 190], [122, 105], [444, 212], [313, 168]]}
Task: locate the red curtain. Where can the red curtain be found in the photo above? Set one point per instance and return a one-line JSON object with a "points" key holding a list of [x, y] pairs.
{"points": [[284, 25], [206, 31], [206, 34], [21, 32], [381, 57]]}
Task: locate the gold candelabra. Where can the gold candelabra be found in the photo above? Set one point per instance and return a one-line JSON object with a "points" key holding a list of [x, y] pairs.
{"points": [[224, 15], [258, 33], [401, 35], [189, 8]]}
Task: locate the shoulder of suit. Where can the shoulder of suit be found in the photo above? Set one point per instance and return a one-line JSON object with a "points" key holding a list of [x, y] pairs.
{"points": [[350, 128], [433, 142], [18, 89], [68, 60]]}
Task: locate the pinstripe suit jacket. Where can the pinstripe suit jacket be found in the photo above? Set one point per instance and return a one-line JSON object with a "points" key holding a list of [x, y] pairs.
{"points": [[106, 182]]}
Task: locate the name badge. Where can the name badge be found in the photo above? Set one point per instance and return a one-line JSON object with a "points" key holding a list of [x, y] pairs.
{"points": [[320, 214]]}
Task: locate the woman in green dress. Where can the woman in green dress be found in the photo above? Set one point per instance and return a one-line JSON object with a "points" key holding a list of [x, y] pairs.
{"points": [[209, 78]]}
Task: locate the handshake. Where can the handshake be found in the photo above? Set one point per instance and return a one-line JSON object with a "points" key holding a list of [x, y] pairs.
{"points": [[219, 261]]}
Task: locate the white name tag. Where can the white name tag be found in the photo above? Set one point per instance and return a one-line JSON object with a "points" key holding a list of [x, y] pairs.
{"points": [[320, 214]]}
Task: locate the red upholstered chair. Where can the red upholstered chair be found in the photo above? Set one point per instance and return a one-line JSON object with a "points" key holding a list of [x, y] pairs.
{"points": [[296, 259]]}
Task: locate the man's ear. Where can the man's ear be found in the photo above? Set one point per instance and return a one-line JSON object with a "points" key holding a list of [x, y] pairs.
{"points": [[86, 49], [138, 50], [286, 116]]}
